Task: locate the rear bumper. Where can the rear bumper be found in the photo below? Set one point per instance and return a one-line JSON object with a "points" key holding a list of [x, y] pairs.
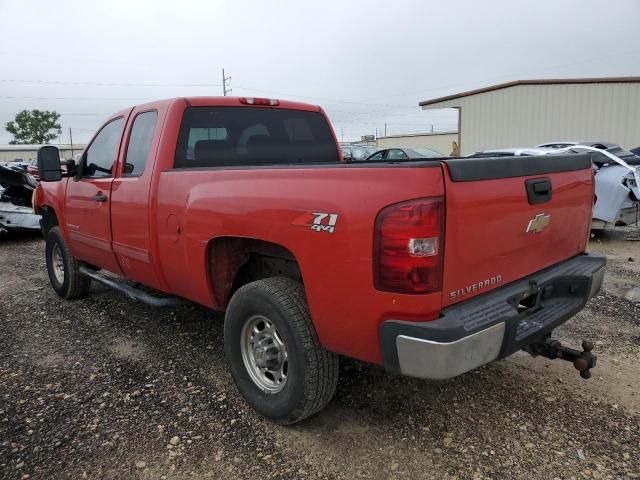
{"points": [[489, 327]]}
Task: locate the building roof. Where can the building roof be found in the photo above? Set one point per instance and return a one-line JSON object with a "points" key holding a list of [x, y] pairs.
{"points": [[34, 147], [425, 134], [547, 81]]}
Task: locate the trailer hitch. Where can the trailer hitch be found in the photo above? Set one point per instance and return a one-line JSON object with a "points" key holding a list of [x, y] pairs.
{"points": [[583, 361]]}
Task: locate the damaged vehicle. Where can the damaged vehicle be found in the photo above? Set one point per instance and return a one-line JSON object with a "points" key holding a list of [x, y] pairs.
{"points": [[617, 185], [16, 200], [617, 198]]}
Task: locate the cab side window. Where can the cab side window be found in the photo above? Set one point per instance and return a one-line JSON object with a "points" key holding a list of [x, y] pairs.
{"points": [[101, 154], [140, 142]]}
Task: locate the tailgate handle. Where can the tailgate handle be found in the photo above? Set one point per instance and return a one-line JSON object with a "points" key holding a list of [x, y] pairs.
{"points": [[538, 190]]}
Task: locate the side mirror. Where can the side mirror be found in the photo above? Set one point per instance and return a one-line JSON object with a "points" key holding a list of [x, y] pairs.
{"points": [[49, 164]]}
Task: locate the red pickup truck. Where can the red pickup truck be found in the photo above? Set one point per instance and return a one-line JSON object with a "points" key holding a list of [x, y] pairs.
{"points": [[429, 267]]}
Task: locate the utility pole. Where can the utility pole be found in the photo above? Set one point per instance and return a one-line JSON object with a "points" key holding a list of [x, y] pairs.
{"points": [[71, 141], [225, 79], [385, 129]]}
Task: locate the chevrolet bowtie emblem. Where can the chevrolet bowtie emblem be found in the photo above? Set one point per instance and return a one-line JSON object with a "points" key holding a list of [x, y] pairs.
{"points": [[539, 223]]}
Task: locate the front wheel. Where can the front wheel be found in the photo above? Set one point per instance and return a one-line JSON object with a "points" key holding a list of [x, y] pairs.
{"points": [[275, 357], [62, 267]]}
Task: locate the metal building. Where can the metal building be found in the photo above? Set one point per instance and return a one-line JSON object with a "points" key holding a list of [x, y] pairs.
{"points": [[26, 153], [526, 113], [438, 141]]}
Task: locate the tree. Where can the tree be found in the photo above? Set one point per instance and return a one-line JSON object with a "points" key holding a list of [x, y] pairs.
{"points": [[35, 126]]}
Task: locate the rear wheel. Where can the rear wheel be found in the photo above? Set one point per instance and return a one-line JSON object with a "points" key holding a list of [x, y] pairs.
{"points": [[62, 267], [275, 357]]}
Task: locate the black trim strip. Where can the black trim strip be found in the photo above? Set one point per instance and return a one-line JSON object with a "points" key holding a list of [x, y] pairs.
{"points": [[418, 164], [472, 169]]}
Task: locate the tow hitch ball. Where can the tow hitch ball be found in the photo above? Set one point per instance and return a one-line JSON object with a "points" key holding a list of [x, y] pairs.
{"points": [[583, 361]]}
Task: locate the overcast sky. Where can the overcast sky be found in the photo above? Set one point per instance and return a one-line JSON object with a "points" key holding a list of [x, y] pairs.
{"points": [[365, 62]]}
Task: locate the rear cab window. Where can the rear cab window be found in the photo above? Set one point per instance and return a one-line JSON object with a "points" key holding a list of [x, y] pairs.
{"points": [[243, 136]]}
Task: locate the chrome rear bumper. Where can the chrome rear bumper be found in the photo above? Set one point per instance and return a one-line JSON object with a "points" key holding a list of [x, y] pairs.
{"points": [[488, 327]]}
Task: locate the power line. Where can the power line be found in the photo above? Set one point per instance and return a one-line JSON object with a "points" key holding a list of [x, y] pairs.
{"points": [[86, 114], [422, 92], [333, 100], [341, 114], [341, 118], [111, 84], [127, 84], [449, 86], [69, 98], [84, 129], [138, 99], [372, 112], [381, 123]]}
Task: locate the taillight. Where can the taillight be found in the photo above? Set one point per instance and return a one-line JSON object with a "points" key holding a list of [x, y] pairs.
{"points": [[408, 247], [259, 101]]}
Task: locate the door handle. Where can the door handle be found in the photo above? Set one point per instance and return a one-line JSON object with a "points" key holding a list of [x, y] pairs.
{"points": [[539, 190], [100, 197]]}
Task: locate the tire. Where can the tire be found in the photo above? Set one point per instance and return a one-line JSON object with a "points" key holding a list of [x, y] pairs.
{"points": [[62, 267], [311, 371]]}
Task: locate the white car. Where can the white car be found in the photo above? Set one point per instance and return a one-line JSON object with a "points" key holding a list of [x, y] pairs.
{"points": [[559, 144], [510, 152]]}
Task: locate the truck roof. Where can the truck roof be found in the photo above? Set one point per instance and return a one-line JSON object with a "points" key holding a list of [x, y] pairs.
{"points": [[226, 102]]}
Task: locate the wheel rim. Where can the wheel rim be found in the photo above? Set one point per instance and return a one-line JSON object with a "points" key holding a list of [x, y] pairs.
{"points": [[264, 354], [57, 263]]}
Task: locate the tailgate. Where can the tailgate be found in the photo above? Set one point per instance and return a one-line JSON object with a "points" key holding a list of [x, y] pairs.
{"points": [[509, 217]]}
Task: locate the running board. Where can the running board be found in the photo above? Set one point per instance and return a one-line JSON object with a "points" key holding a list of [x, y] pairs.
{"points": [[131, 292]]}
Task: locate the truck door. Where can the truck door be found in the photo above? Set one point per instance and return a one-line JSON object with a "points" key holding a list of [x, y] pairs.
{"points": [[87, 200], [130, 222]]}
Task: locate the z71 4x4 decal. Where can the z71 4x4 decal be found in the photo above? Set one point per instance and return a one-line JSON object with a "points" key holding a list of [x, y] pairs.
{"points": [[318, 221]]}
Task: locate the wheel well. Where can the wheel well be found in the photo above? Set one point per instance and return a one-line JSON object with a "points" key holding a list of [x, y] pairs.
{"points": [[236, 261], [49, 218]]}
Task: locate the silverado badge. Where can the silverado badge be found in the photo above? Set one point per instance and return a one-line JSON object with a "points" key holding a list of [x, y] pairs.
{"points": [[539, 223]]}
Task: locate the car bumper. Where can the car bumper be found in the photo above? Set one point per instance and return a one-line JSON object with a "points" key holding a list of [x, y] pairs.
{"points": [[490, 327], [627, 217], [17, 217]]}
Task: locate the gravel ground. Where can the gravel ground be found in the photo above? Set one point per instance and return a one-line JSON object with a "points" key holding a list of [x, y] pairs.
{"points": [[107, 388]]}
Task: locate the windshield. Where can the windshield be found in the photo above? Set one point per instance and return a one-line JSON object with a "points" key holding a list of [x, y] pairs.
{"points": [[360, 153], [556, 145], [423, 152]]}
